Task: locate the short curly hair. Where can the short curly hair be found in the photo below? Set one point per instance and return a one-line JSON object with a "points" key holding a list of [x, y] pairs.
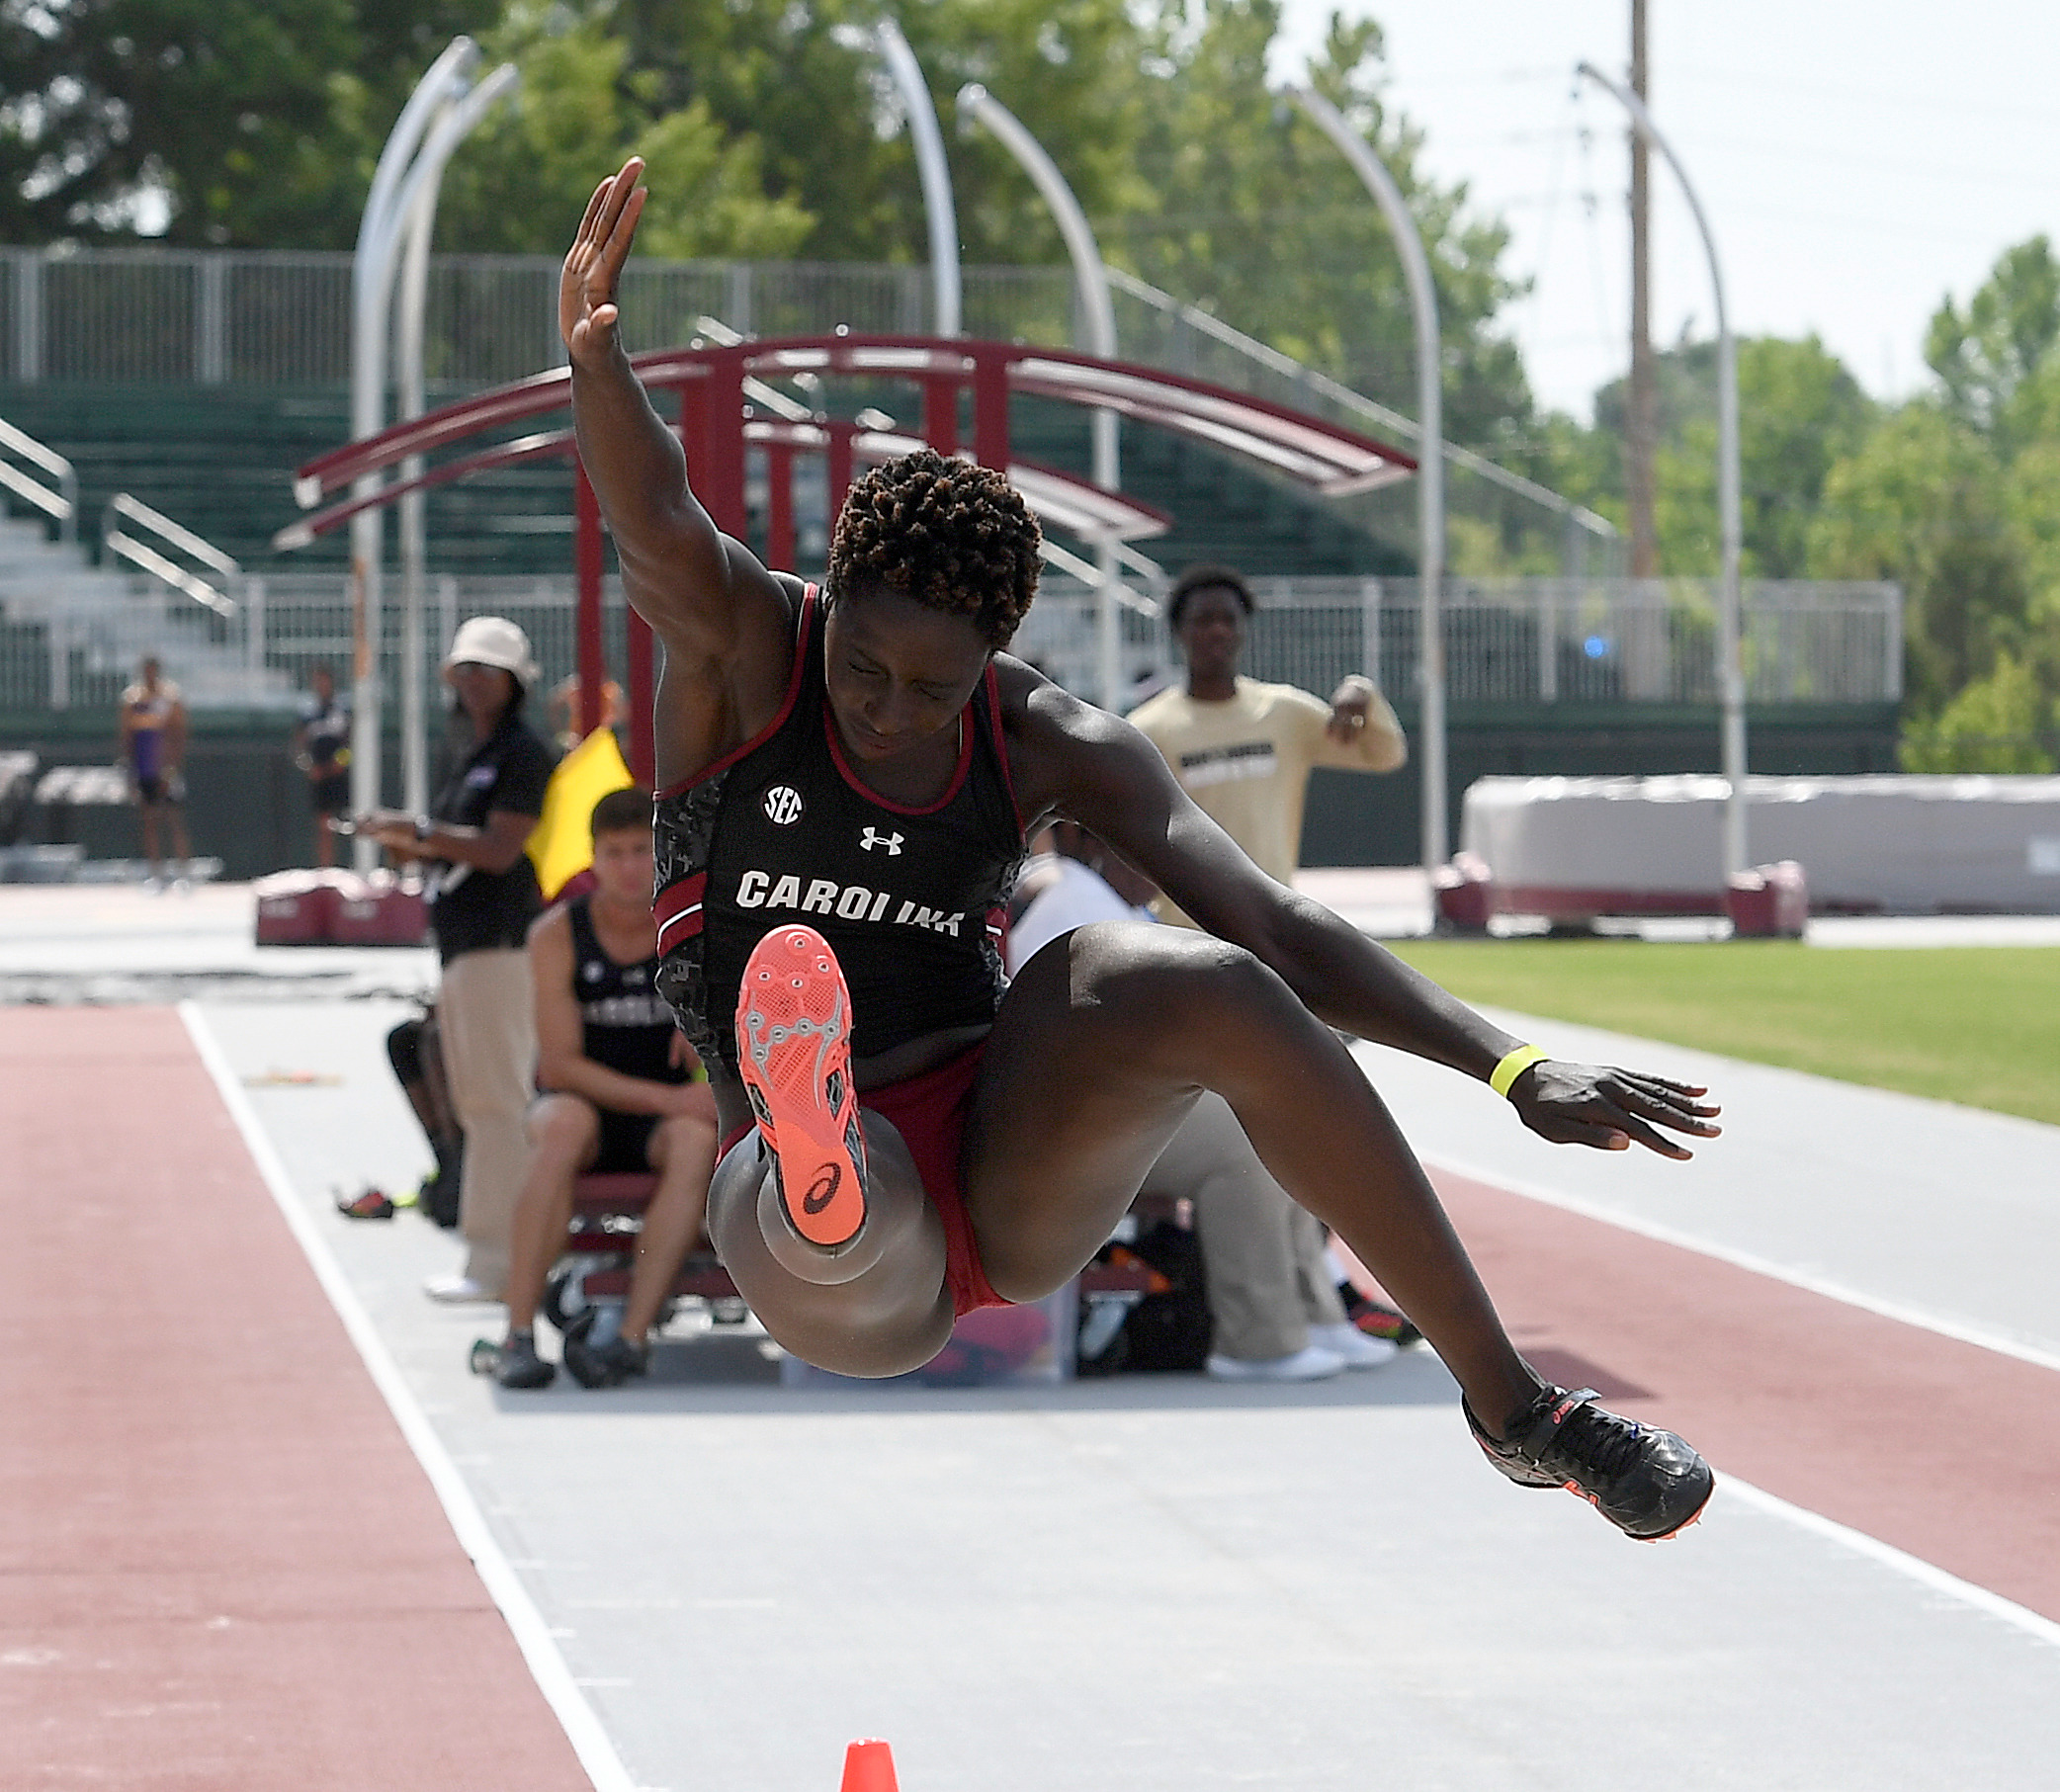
{"points": [[953, 535]]}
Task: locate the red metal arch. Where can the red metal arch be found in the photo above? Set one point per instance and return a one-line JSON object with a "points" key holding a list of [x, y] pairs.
{"points": [[717, 422]]}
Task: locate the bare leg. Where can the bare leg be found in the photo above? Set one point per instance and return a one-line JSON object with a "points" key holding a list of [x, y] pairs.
{"points": [[565, 1133], [148, 811], [682, 1150], [1101, 1046], [889, 1317], [180, 839]]}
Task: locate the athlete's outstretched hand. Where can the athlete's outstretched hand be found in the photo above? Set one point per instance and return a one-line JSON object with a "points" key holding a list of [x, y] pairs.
{"points": [[586, 310], [1589, 1104]]}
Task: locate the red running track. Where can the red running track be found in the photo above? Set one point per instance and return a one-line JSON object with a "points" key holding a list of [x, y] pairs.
{"points": [[1944, 1450], [222, 1568]]}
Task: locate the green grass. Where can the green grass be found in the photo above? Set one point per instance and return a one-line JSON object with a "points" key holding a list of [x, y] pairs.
{"points": [[1978, 1025]]}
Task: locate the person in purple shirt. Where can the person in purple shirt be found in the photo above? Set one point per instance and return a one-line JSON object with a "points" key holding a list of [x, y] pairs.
{"points": [[154, 721]]}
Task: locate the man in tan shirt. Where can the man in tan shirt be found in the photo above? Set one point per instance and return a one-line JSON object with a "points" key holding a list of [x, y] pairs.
{"points": [[1243, 752]]}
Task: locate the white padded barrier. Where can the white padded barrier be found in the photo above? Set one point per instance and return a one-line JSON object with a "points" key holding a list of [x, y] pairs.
{"points": [[1901, 844]]}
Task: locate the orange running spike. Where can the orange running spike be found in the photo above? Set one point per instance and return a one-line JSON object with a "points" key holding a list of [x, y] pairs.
{"points": [[794, 1048], [869, 1766]]}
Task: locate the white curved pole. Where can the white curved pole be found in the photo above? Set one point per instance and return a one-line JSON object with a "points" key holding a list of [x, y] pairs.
{"points": [[411, 402], [934, 170], [1430, 460], [424, 182], [1098, 310], [1730, 679], [444, 80], [1097, 338]]}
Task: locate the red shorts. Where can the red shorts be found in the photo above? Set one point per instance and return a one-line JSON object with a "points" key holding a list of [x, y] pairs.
{"points": [[930, 1112]]}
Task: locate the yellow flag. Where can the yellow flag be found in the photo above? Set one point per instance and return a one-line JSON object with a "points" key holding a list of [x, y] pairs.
{"points": [[561, 844]]}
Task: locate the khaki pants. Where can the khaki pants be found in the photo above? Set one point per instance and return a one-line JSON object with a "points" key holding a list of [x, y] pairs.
{"points": [[487, 1012], [1269, 1280]]}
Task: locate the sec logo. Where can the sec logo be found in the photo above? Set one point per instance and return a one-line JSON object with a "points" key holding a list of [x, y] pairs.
{"points": [[783, 805]]}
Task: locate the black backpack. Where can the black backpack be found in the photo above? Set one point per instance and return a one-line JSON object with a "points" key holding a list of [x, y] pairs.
{"points": [[1166, 1332]]}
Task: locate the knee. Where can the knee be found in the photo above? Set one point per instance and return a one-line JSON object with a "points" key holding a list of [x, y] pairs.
{"points": [[1184, 980], [683, 1138], [563, 1128]]}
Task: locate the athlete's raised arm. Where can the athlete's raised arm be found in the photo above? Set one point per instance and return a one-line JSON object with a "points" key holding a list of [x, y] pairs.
{"points": [[1100, 772], [725, 620]]}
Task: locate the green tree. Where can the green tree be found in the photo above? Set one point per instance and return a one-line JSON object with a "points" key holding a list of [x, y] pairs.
{"points": [[1993, 725], [807, 81], [1921, 502], [524, 177], [245, 123], [1799, 410], [1257, 218], [1984, 354]]}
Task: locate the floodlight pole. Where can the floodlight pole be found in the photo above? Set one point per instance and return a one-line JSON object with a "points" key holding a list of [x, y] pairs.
{"points": [[1731, 680], [1097, 337], [935, 172], [1430, 460], [454, 124]]}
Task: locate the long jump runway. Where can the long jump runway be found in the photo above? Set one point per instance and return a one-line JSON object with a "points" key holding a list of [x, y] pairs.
{"points": [[222, 1567], [227, 1567]]}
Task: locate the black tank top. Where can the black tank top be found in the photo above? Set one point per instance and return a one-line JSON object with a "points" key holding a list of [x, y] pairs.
{"points": [[910, 899], [624, 1022]]}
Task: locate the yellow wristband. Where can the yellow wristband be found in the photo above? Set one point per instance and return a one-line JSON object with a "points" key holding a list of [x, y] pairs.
{"points": [[1513, 1064]]}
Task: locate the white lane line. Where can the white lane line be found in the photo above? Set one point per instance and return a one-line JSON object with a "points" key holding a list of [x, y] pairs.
{"points": [[590, 1742], [1915, 1567], [2000, 1342]]}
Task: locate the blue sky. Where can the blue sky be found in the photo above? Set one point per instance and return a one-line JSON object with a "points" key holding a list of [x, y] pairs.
{"points": [[1857, 162]]}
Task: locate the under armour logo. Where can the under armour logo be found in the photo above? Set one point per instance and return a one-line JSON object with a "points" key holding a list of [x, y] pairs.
{"points": [[872, 837], [783, 805]]}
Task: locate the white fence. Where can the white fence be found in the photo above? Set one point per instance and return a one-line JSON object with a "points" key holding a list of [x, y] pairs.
{"points": [[1528, 642], [1519, 642]]}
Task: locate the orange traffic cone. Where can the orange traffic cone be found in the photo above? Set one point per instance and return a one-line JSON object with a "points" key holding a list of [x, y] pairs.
{"points": [[869, 1766]]}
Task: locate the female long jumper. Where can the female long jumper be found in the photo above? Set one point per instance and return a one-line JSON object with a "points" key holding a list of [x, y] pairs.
{"points": [[846, 779]]}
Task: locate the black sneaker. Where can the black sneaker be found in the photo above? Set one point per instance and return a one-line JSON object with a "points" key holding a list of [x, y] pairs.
{"points": [[1647, 1482], [520, 1365], [604, 1365]]}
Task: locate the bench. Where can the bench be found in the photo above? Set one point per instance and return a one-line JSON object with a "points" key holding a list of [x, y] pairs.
{"points": [[607, 1215]]}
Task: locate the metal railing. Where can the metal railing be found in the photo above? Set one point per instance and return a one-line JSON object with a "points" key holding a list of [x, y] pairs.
{"points": [[62, 504], [275, 318], [118, 542]]}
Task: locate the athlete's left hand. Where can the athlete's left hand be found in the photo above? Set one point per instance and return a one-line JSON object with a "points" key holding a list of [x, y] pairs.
{"points": [[1611, 1109]]}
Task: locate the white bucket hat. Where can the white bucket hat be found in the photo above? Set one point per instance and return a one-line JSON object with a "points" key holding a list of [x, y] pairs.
{"points": [[494, 641]]}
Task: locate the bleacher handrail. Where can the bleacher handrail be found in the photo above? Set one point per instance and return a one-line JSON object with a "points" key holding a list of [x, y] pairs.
{"points": [[116, 540], [1372, 409], [61, 505]]}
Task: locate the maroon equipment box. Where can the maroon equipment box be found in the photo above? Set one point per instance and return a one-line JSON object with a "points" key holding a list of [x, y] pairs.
{"points": [[295, 909], [381, 911]]}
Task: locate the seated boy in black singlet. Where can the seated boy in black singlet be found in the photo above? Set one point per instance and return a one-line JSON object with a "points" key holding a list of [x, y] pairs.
{"points": [[614, 1070]]}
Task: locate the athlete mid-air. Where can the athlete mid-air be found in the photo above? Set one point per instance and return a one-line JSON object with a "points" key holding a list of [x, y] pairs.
{"points": [[846, 779]]}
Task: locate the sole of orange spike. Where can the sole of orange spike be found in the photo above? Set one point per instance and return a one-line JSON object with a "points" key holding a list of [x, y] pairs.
{"points": [[794, 1049]]}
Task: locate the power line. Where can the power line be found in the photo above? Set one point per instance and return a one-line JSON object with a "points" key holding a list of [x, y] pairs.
{"points": [[1713, 78]]}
